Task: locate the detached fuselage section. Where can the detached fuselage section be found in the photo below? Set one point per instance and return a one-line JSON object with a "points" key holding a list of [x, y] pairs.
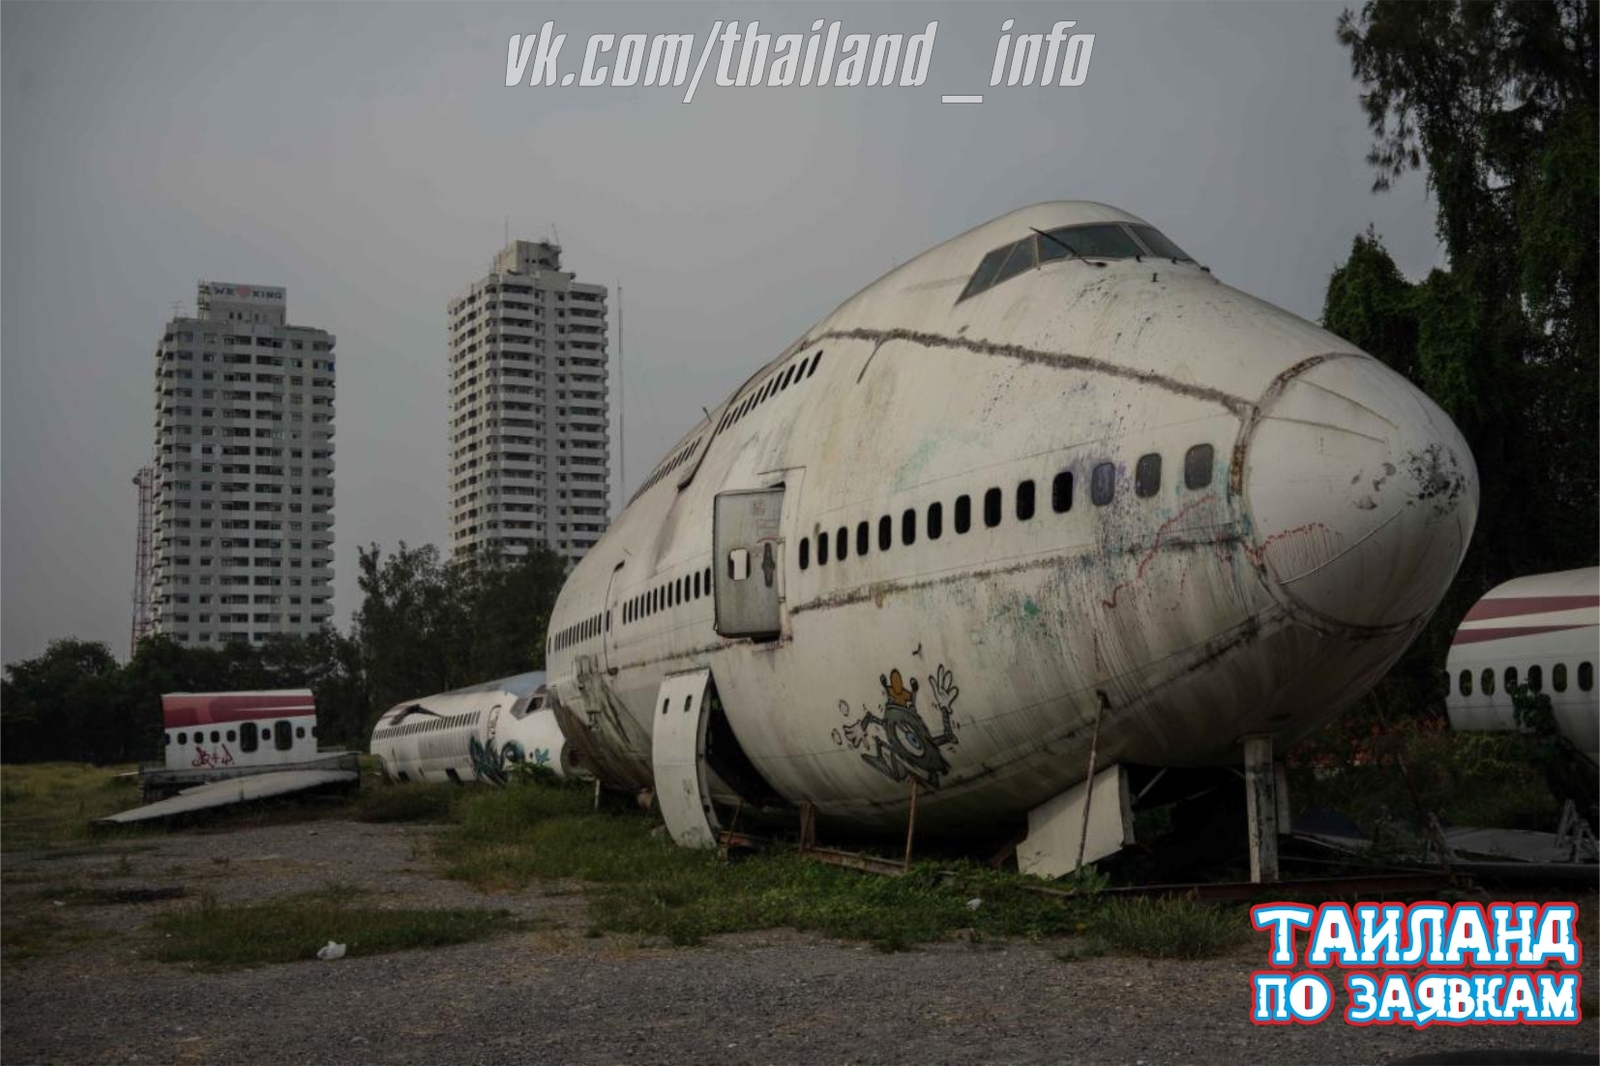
{"points": [[1047, 486], [479, 733]]}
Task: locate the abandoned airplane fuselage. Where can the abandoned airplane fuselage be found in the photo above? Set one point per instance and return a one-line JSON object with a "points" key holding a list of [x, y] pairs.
{"points": [[1048, 485]]}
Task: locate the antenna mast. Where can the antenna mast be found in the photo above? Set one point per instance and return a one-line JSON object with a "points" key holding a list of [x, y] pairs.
{"points": [[142, 625], [622, 409]]}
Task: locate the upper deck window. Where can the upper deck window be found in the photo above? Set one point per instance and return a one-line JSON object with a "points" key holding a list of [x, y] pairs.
{"points": [[1152, 239], [1105, 241], [1093, 241]]}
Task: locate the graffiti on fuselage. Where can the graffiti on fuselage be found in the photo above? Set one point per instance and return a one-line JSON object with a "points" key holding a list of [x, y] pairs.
{"points": [[894, 740], [204, 758], [492, 762]]}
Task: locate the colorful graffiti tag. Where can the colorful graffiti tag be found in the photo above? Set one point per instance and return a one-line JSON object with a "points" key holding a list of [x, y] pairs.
{"points": [[894, 740]]}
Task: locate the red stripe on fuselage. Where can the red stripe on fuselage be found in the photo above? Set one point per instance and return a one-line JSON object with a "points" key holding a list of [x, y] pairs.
{"points": [[1477, 636], [181, 711], [1510, 606]]}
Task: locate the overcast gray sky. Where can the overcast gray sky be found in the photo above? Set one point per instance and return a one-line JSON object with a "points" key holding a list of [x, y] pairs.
{"points": [[366, 155]]}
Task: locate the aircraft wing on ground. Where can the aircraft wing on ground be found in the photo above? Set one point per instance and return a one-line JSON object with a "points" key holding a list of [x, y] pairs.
{"points": [[234, 790]]}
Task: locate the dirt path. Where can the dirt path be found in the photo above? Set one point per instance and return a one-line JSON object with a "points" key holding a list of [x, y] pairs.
{"points": [[90, 994]]}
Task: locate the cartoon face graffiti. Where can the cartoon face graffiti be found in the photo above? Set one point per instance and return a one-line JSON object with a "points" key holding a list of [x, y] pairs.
{"points": [[896, 741]]}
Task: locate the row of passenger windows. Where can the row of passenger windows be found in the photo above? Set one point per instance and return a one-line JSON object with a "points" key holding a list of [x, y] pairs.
{"points": [[681, 590], [780, 380], [428, 725], [1101, 240], [1102, 489], [587, 629], [671, 465], [1535, 679], [249, 736]]}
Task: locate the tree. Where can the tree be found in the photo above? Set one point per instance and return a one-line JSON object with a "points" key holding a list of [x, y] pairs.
{"points": [[1497, 101]]}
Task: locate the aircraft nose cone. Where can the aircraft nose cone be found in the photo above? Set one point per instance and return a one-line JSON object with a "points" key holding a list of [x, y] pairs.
{"points": [[1362, 495]]}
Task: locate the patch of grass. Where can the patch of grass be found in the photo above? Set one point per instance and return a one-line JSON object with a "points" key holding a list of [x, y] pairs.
{"points": [[28, 934], [50, 805], [641, 883], [414, 802], [212, 935], [1169, 928]]}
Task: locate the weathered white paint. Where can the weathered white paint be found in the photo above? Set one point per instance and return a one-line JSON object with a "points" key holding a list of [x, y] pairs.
{"points": [[679, 750], [1340, 503], [1056, 828], [238, 789]]}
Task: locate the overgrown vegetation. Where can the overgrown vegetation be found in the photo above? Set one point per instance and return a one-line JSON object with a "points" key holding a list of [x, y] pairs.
{"points": [[638, 882], [1497, 103], [50, 805], [1386, 778], [414, 802], [424, 626], [213, 935]]}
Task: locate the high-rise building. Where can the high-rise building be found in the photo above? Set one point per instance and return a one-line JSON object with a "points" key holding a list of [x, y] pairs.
{"points": [[530, 446], [242, 531]]}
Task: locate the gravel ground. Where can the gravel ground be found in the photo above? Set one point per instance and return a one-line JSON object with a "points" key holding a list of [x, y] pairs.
{"points": [[553, 995]]}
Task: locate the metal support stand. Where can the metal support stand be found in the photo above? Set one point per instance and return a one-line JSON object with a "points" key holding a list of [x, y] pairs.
{"points": [[1260, 783], [808, 825], [911, 823]]}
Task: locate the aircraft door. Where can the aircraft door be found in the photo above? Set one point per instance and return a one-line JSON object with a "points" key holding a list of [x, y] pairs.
{"points": [[613, 614], [678, 759], [748, 550]]}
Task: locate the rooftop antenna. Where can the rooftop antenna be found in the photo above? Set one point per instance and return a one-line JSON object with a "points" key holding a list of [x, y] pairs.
{"points": [[555, 235], [622, 408]]}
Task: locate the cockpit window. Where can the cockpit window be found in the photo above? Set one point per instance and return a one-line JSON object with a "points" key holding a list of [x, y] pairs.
{"points": [[983, 277], [1091, 242], [1159, 245], [1020, 259], [1095, 241]]}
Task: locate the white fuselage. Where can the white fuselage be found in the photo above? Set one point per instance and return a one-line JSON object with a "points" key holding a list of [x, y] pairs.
{"points": [[1539, 631], [1331, 504], [472, 734]]}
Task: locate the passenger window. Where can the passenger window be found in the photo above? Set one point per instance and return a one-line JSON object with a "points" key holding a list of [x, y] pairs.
{"points": [[1102, 484], [1585, 676], [216, 737], [991, 508], [822, 549], [908, 526], [815, 361], [841, 543], [708, 578], [1147, 476], [983, 277], [935, 521], [787, 374], [1511, 678], [885, 533], [1536, 677], [1486, 681], [1061, 492], [1558, 677], [805, 553], [1025, 501], [183, 738], [1197, 466], [861, 538], [299, 732], [963, 514], [1465, 685], [281, 736]]}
